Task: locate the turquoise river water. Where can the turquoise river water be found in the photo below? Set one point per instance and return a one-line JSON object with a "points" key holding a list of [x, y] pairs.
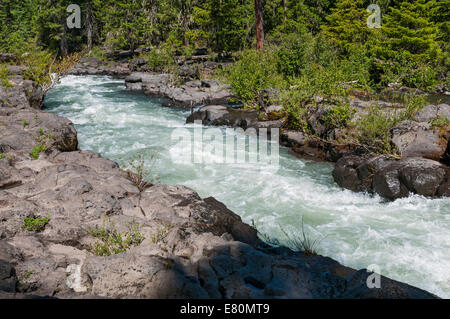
{"points": [[408, 239]]}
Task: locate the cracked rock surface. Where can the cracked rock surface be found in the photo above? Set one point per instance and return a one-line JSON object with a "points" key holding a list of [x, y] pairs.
{"points": [[190, 247]]}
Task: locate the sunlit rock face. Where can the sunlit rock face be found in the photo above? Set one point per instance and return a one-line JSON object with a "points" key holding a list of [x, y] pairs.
{"points": [[359, 229]]}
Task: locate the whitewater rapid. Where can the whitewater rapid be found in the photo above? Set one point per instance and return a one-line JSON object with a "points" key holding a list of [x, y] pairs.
{"points": [[408, 239]]}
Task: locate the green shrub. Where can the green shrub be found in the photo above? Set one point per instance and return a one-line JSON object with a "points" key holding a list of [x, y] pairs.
{"points": [[374, 131], [251, 73], [98, 53], [161, 234], [291, 54], [4, 76], [139, 169], [38, 63], [37, 150], [413, 104], [160, 60], [440, 121], [36, 224], [112, 242], [407, 73], [339, 116], [294, 101]]}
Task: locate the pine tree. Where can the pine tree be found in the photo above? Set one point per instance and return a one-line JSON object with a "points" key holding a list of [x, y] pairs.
{"points": [[259, 23], [347, 24], [17, 18], [408, 33], [440, 14], [232, 23], [124, 22]]}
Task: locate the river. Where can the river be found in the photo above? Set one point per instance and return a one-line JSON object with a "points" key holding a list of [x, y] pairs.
{"points": [[408, 239]]}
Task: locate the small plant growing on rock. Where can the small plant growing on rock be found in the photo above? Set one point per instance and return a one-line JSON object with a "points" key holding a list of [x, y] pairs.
{"points": [[440, 121], [303, 243], [36, 224], [24, 123], [23, 281], [26, 276], [374, 131], [161, 234], [339, 116], [4, 73], [45, 137], [140, 170], [111, 241], [2, 156], [37, 150], [45, 140]]}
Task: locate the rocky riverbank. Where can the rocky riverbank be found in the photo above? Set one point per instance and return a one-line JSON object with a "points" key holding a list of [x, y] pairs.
{"points": [[59, 208], [423, 145]]}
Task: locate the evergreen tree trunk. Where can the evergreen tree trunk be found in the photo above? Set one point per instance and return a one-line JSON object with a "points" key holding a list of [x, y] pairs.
{"points": [[285, 10], [259, 25], [89, 26], [184, 14], [63, 43]]}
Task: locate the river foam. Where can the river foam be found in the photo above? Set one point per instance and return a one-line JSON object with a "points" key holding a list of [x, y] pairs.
{"points": [[409, 239]]}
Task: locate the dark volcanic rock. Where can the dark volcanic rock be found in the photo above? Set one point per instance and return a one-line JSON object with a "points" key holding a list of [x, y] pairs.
{"points": [[412, 175], [189, 72], [387, 182], [390, 289], [8, 278], [137, 64], [346, 174], [392, 179]]}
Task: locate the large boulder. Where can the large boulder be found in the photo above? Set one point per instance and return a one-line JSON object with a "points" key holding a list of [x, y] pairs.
{"points": [[28, 128], [346, 174], [392, 179], [421, 176], [419, 140], [21, 94], [386, 182]]}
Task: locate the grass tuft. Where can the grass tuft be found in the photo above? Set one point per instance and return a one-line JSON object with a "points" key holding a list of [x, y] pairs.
{"points": [[112, 242], [36, 224], [299, 243]]}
